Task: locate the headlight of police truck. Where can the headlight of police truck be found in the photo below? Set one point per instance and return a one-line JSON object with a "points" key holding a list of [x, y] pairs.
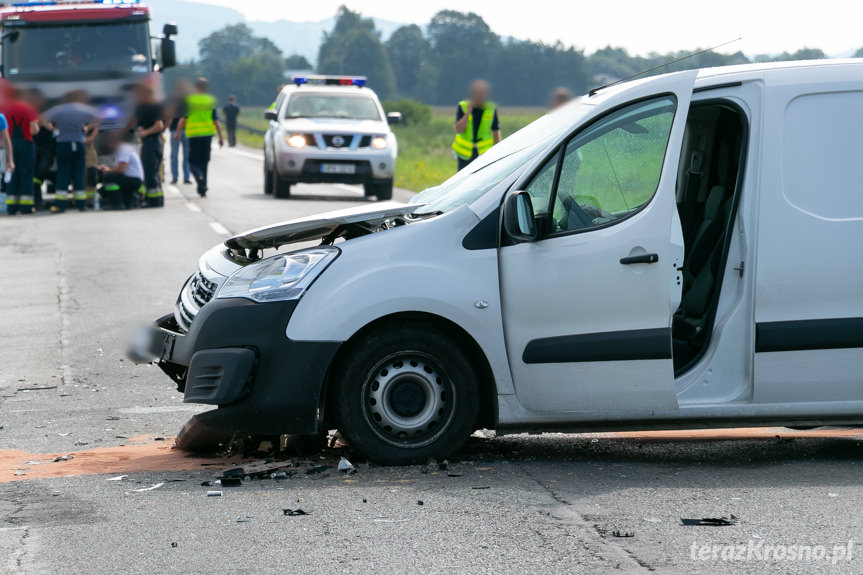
{"points": [[296, 141], [379, 143], [279, 278]]}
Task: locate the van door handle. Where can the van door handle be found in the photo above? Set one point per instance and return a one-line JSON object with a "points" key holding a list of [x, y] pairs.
{"points": [[640, 259]]}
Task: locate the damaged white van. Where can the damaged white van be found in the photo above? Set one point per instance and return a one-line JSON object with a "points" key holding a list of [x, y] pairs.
{"points": [[675, 252]]}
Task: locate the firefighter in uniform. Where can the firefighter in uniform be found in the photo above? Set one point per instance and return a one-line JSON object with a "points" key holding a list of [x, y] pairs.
{"points": [[477, 127], [200, 122]]}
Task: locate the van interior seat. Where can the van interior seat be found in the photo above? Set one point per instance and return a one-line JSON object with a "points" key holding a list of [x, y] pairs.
{"points": [[709, 223]]}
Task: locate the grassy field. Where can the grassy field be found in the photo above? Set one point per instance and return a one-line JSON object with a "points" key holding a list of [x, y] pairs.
{"points": [[425, 152]]}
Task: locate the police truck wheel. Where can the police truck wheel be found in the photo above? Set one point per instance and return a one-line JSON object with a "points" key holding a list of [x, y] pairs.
{"points": [[405, 394], [268, 180], [281, 188], [382, 190]]}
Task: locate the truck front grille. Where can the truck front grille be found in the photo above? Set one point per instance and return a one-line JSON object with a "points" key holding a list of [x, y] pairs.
{"points": [[197, 292]]}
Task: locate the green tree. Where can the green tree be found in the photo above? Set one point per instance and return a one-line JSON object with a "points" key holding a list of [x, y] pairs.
{"points": [[228, 57], [529, 71], [464, 48], [297, 62], [354, 47], [409, 52]]}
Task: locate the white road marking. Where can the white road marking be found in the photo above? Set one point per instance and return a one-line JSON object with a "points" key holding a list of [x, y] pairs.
{"points": [[219, 228], [172, 189], [193, 207], [245, 154]]}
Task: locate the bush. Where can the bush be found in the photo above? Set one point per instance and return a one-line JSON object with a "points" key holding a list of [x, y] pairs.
{"points": [[413, 113]]}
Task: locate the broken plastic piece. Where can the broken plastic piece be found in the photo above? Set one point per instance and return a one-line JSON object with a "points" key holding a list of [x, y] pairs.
{"points": [[63, 458], [214, 493], [233, 472], [623, 534], [174, 544], [231, 481], [316, 469], [206, 484], [454, 474], [713, 521], [294, 512], [346, 466], [118, 478], [420, 502], [481, 487], [241, 519]]}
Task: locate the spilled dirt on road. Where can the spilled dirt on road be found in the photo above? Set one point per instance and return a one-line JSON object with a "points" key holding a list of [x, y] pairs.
{"points": [[141, 454]]}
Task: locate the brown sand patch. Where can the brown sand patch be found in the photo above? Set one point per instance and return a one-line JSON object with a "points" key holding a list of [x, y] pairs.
{"points": [[140, 454]]}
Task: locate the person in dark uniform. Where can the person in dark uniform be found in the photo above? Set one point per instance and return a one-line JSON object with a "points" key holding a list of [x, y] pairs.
{"points": [[231, 112], [150, 123], [23, 123]]}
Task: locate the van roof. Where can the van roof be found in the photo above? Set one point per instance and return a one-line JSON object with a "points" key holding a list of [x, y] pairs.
{"points": [[744, 72]]}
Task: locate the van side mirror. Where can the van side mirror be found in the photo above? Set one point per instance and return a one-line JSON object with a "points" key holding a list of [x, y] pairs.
{"points": [[519, 221], [169, 53], [271, 115], [394, 118]]}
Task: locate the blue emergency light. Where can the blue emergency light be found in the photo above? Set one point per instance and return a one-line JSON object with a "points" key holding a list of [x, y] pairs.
{"points": [[358, 81]]}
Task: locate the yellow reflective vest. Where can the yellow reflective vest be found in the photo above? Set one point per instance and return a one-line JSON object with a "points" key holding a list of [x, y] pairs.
{"points": [[199, 115], [465, 142]]}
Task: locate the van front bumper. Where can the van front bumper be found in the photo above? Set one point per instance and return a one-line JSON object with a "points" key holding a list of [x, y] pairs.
{"points": [[236, 355]]}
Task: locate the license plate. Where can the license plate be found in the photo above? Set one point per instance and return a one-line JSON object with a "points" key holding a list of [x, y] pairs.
{"points": [[338, 169]]}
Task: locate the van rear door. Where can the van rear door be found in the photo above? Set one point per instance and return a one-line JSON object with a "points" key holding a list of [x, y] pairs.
{"points": [[587, 309]]}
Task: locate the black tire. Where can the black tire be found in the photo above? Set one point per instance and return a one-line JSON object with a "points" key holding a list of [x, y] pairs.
{"points": [[404, 394], [281, 188], [382, 190], [268, 179]]}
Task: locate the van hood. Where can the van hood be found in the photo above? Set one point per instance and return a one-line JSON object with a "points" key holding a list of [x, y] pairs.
{"points": [[364, 218]]}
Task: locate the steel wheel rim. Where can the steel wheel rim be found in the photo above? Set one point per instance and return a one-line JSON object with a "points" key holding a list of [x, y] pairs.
{"points": [[408, 399]]}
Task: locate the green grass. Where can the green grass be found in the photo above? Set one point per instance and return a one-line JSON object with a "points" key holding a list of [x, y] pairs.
{"points": [[425, 151]]}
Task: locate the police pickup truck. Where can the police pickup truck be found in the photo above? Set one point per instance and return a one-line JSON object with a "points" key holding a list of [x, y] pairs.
{"points": [[329, 129]]}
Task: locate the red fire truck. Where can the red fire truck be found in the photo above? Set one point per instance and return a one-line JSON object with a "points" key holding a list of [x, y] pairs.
{"points": [[101, 46]]}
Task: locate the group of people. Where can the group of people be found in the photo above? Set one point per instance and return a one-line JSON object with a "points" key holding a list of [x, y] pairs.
{"points": [[477, 126], [60, 145]]}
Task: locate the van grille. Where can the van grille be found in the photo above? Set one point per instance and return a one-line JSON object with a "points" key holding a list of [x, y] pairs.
{"points": [[197, 292]]}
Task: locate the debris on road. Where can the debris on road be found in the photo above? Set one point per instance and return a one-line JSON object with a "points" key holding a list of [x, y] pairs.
{"points": [[233, 472], [712, 521], [241, 519], [420, 503], [346, 466], [63, 458], [118, 478], [206, 484], [443, 465], [174, 544], [231, 481], [37, 388], [316, 469], [214, 493], [454, 474], [151, 488], [481, 487], [623, 534], [294, 512]]}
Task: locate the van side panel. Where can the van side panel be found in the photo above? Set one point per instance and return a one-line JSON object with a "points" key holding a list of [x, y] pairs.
{"points": [[809, 285]]}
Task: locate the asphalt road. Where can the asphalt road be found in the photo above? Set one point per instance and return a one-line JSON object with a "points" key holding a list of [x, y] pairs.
{"points": [[73, 286]]}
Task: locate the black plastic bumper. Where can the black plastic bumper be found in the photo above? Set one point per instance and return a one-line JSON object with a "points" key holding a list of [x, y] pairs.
{"points": [[236, 355]]}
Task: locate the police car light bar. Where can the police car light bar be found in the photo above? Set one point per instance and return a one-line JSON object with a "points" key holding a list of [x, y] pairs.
{"points": [[358, 81], [69, 3]]}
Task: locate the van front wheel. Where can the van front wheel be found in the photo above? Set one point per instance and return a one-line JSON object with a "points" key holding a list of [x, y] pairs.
{"points": [[406, 394]]}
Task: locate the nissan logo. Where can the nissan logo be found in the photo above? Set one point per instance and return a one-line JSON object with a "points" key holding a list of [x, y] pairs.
{"points": [[338, 141]]}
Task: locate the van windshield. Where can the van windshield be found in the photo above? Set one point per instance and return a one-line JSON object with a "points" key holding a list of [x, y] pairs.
{"points": [[501, 161]]}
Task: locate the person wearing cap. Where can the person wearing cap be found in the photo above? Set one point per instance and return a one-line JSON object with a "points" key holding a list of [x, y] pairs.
{"points": [[477, 127]]}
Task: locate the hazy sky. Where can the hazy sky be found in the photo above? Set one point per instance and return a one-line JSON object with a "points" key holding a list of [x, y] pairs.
{"points": [[767, 26]]}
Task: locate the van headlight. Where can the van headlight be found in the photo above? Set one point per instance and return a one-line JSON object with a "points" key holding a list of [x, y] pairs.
{"points": [[279, 278]]}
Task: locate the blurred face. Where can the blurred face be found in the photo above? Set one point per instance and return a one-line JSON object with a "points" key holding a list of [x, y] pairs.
{"points": [[479, 93]]}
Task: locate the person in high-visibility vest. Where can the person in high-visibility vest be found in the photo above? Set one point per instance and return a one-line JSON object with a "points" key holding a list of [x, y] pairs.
{"points": [[200, 122], [477, 127]]}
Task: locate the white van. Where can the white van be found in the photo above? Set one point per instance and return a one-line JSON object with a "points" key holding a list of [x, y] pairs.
{"points": [[675, 252]]}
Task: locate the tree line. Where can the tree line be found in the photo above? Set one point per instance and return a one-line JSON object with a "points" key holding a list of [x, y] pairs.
{"points": [[434, 65]]}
